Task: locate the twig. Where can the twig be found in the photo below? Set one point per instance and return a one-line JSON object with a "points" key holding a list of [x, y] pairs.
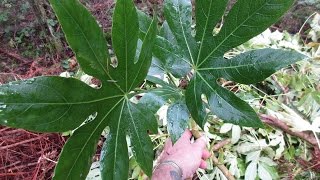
{"points": [[220, 144], [16, 56], [12, 174], [22, 142], [216, 147], [275, 122], [222, 168], [216, 162]]}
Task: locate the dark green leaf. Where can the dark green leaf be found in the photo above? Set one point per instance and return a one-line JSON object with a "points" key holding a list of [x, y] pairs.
{"points": [[172, 59], [228, 106], [179, 18], [222, 103], [208, 14], [84, 36], [76, 156], [194, 101], [141, 143], [253, 66], [246, 19], [59, 104], [139, 71], [49, 104], [178, 119], [144, 23], [114, 163], [125, 34]]}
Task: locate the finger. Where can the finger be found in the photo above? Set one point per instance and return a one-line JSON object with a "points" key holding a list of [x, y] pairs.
{"points": [[185, 138], [166, 150], [205, 154], [201, 142], [167, 145], [203, 164]]}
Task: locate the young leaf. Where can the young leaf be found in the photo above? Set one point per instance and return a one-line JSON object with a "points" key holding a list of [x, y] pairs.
{"points": [[56, 104]]}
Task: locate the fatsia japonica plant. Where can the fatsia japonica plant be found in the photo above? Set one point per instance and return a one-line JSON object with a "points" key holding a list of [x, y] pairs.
{"points": [[57, 104], [197, 54]]}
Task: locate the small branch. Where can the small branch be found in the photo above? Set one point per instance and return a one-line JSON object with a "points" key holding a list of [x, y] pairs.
{"points": [[275, 122], [220, 144], [216, 162], [22, 142], [222, 168]]}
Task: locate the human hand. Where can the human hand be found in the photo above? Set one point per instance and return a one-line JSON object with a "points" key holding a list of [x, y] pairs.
{"points": [[188, 156]]}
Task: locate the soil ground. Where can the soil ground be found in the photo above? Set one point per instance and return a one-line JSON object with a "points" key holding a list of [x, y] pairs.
{"points": [[25, 52]]}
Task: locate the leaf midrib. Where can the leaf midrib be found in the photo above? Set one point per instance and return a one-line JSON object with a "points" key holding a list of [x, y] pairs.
{"points": [[135, 129], [68, 103], [204, 32], [117, 135], [236, 66], [184, 35]]}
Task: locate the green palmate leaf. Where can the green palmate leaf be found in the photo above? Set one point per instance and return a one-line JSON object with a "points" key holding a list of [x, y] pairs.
{"points": [[195, 102], [178, 119], [141, 143], [114, 157], [56, 104], [76, 157], [245, 20]]}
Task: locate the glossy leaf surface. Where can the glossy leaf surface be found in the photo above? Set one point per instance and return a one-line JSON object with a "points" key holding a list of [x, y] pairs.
{"points": [[204, 52], [56, 104]]}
